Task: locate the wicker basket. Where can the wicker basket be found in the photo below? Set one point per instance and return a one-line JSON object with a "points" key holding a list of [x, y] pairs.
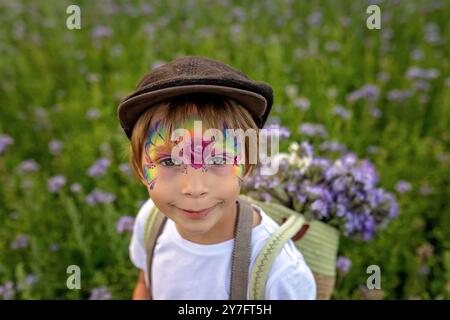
{"points": [[319, 247]]}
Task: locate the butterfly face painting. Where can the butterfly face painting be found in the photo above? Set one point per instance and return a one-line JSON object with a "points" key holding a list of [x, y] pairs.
{"points": [[166, 159]]}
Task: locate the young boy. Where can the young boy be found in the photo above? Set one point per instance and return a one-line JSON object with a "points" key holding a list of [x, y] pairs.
{"points": [[192, 257]]}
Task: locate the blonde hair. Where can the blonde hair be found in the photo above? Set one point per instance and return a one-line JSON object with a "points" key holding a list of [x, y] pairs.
{"points": [[214, 111]]}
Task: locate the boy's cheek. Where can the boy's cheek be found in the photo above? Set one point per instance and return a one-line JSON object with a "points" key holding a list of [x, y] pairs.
{"points": [[227, 171]]}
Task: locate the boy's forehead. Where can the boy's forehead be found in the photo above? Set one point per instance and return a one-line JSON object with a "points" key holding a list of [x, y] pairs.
{"points": [[189, 123]]}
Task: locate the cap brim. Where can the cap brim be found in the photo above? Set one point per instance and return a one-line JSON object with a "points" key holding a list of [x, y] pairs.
{"points": [[130, 110]]}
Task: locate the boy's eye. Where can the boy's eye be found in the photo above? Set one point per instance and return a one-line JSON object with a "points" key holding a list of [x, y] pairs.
{"points": [[169, 162], [218, 161]]}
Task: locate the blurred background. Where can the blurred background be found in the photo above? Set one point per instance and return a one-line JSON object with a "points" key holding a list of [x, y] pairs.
{"points": [[68, 196]]}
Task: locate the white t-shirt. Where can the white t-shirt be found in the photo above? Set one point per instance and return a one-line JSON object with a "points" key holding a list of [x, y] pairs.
{"points": [[184, 270]]}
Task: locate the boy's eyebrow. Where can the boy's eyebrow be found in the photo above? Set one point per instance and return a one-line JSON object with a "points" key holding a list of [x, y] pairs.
{"points": [[159, 148]]}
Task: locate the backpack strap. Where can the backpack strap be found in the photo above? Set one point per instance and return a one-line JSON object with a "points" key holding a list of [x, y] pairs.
{"points": [[240, 262], [269, 252], [153, 228]]}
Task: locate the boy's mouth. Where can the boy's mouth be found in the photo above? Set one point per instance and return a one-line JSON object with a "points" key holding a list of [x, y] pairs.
{"points": [[198, 213]]}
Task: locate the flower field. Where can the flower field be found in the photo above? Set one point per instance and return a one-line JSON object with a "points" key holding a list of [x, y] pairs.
{"points": [[67, 193]]}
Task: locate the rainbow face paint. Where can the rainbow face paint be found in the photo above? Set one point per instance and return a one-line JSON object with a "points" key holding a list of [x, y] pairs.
{"points": [[189, 148], [155, 138]]}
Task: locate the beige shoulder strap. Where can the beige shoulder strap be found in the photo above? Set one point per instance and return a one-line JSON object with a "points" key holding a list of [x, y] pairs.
{"points": [[241, 250], [156, 227]]}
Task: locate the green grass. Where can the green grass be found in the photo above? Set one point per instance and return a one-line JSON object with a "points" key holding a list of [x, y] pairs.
{"points": [[51, 76]]}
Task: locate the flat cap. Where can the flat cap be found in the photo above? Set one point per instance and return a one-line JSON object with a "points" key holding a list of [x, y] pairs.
{"points": [[190, 74]]}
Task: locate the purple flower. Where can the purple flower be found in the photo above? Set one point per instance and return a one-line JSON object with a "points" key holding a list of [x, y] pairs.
{"points": [[28, 165], [277, 130], [55, 147], [100, 293], [320, 207], [5, 141], [342, 193], [340, 210], [7, 290], [147, 9], [55, 183], [306, 150], [238, 13], [322, 163], [311, 129], [375, 112], [419, 73], [368, 228], [266, 197], [101, 31], [291, 91], [314, 18], [125, 223], [369, 92], [339, 184], [291, 187], [332, 146], [345, 21], [375, 197], [125, 168], [393, 205], [342, 112], [75, 188], [403, 186], [335, 170], [93, 113], [20, 242], [422, 85], [319, 192], [99, 167], [54, 247], [349, 159], [300, 197], [343, 264], [30, 280], [366, 174], [398, 95], [332, 46], [302, 103], [432, 35], [99, 196], [417, 54], [274, 182]]}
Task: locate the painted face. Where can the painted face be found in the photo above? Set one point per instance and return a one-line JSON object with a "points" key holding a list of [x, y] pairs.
{"points": [[186, 173], [190, 147]]}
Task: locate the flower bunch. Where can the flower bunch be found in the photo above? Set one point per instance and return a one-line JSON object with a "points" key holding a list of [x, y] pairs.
{"points": [[342, 192]]}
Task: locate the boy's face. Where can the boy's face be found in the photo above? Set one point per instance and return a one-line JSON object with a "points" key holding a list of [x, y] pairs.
{"points": [[193, 181]]}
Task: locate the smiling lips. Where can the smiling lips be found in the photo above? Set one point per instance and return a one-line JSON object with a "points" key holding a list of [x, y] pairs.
{"points": [[198, 214]]}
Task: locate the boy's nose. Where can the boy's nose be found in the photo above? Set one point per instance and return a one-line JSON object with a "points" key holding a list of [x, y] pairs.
{"points": [[194, 182]]}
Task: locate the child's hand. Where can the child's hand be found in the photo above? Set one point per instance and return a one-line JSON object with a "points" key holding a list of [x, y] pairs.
{"points": [[141, 291]]}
